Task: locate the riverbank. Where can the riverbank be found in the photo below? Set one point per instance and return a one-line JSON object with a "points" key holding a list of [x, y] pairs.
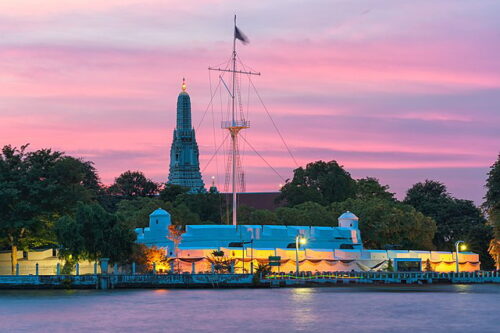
{"points": [[183, 281]]}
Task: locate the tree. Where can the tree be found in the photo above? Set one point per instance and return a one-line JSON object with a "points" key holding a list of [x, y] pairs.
{"points": [[170, 192], [132, 184], [492, 207], [316, 214], [36, 188], [175, 233], [262, 216], [390, 267], [291, 216], [93, 234], [384, 223], [320, 182], [244, 213], [428, 266], [135, 212], [456, 219], [145, 256], [221, 263], [208, 205], [370, 188], [181, 215]]}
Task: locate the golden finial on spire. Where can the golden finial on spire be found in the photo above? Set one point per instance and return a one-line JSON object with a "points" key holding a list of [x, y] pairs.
{"points": [[184, 84]]}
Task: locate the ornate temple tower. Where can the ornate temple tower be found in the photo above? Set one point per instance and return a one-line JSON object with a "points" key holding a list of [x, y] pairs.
{"points": [[184, 154]]}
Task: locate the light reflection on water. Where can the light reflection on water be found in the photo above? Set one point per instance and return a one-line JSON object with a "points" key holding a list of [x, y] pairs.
{"points": [[303, 314], [434, 308]]}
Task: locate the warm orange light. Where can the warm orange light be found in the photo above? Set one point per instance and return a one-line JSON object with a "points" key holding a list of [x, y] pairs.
{"points": [[184, 87]]}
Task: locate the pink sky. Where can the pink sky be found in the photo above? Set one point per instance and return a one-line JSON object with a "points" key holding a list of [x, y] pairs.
{"points": [[399, 90]]}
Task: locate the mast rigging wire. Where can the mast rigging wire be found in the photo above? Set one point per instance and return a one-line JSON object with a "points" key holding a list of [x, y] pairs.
{"points": [[269, 165], [274, 124], [214, 154]]}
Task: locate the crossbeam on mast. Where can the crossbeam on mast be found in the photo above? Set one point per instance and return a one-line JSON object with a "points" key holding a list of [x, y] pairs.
{"points": [[232, 71]]}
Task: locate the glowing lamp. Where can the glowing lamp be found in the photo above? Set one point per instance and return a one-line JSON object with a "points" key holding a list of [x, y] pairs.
{"points": [[302, 241], [463, 247]]}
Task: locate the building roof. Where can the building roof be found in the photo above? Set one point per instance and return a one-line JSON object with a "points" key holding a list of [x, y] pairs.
{"points": [[159, 212], [348, 216], [257, 200]]}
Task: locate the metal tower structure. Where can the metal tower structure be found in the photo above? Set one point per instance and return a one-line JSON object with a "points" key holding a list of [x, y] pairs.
{"points": [[235, 124]]}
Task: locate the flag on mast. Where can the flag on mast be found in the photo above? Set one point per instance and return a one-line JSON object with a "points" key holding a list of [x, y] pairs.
{"points": [[238, 34]]}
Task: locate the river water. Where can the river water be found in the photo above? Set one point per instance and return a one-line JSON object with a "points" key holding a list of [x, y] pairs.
{"points": [[433, 308]]}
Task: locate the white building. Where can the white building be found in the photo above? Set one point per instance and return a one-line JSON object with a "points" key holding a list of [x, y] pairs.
{"points": [[327, 248]]}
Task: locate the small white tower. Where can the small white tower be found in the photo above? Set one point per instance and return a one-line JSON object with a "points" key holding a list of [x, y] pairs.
{"points": [[348, 220], [159, 220]]}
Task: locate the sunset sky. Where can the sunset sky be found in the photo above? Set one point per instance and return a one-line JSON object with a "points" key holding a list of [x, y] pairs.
{"points": [[399, 90]]}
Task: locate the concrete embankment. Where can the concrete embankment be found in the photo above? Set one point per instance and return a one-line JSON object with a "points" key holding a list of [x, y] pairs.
{"points": [[112, 281], [103, 281]]}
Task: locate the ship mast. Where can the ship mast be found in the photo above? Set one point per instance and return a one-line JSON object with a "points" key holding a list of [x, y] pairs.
{"points": [[234, 126]]}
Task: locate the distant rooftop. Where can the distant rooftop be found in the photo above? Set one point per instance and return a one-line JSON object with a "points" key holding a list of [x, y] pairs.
{"points": [[257, 200]]}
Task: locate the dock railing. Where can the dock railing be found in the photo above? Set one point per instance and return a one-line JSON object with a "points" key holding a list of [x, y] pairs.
{"points": [[389, 277]]}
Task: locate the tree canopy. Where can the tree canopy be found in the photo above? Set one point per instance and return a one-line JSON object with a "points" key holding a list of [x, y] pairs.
{"points": [[492, 206], [93, 234], [133, 184], [370, 188], [320, 182], [36, 188], [456, 219], [385, 223]]}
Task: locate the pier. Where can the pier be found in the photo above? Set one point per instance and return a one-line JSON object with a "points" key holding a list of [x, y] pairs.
{"points": [[120, 281]]}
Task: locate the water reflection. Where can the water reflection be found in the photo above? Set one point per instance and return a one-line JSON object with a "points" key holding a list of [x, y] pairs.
{"points": [[302, 314], [467, 308], [463, 288], [161, 291]]}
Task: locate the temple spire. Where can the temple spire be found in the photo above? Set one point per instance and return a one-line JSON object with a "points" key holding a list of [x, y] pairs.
{"points": [[184, 153], [184, 87]]}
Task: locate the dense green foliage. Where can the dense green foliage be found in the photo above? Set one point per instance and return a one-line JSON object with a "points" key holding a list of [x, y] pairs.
{"points": [[387, 223], [94, 233], [136, 212], [456, 219], [492, 206], [36, 188], [320, 182], [49, 198], [370, 188], [133, 184]]}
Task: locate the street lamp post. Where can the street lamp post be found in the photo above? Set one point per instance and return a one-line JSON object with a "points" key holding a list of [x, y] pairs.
{"points": [[457, 250], [251, 255], [299, 239]]}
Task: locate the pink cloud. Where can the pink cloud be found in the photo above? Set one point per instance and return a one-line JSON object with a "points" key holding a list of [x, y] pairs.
{"points": [[372, 100]]}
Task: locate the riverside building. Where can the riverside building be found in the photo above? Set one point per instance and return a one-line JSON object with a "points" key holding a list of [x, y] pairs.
{"points": [[326, 249]]}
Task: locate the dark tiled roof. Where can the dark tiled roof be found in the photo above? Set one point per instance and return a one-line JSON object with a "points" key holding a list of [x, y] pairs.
{"points": [[257, 200]]}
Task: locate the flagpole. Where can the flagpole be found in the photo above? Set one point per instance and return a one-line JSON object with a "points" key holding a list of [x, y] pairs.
{"points": [[234, 134], [234, 126]]}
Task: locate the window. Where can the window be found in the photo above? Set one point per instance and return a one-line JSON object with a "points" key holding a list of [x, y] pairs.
{"points": [[408, 265], [346, 247], [156, 221]]}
